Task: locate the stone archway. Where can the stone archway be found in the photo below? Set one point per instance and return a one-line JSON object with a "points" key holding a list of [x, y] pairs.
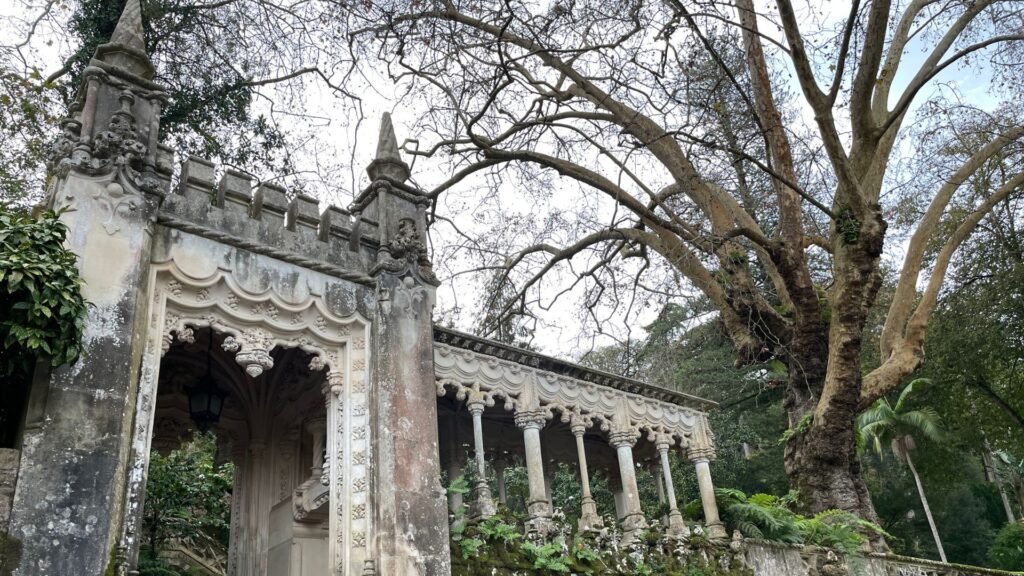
{"points": [[253, 324]]}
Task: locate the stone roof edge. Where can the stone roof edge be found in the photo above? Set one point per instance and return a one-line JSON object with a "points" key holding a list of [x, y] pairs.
{"points": [[561, 367]]}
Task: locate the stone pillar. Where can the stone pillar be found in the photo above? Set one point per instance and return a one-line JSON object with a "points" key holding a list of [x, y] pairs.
{"points": [[333, 468], [701, 452], [238, 514], [455, 499], [410, 517], [615, 486], [259, 509], [549, 483], [499, 465], [623, 437], [676, 525], [68, 508], [655, 469], [530, 418], [483, 505], [589, 519], [317, 429]]}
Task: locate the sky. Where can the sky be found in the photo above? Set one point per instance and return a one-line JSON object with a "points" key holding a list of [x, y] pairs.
{"points": [[562, 328]]}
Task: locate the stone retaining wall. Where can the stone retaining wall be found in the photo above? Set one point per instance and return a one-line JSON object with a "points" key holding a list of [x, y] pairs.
{"points": [[770, 559]]}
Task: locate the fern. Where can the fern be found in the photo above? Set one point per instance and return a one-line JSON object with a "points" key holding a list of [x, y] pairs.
{"points": [[547, 557]]}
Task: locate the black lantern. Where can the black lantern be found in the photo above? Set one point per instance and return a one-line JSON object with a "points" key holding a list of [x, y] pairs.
{"points": [[205, 399]]}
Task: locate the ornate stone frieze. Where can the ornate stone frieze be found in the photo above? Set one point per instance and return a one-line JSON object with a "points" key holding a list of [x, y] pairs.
{"points": [[216, 303], [535, 393]]}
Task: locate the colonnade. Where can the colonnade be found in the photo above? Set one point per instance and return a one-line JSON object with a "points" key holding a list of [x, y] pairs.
{"points": [[621, 434]]}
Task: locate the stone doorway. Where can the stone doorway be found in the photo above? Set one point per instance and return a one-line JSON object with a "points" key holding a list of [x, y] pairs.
{"points": [[272, 429]]}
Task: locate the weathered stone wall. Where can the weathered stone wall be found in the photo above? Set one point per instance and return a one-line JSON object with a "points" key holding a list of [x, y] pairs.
{"points": [[769, 559], [9, 459]]}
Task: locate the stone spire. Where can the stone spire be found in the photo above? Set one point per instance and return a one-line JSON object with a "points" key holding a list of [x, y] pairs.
{"points": [[127, 47], [388, 163]]}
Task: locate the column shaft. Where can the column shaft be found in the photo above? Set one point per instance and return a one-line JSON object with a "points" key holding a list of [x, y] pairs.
{"points": [[676, 525], [484, 503], [499, 474], [538, 506], [707, 498], [589, 520], [633, 521]]}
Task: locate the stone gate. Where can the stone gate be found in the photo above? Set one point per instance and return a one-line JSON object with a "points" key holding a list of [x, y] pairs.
{"points": [[341, 400]]}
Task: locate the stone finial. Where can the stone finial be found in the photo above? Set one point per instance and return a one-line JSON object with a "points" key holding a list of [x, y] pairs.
{"points": [[129, 27], [127, 46], [388, 162]]}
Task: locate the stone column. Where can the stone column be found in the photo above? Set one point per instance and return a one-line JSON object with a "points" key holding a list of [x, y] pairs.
{"points": [[499, 465], [455, 499], [411, 528], [259, 509], [236, 534], [701, 452], [333, 468], [589, 519], [655, 469], [676, 525], [73, 472], [549, 483], [623, 437], [317, 429], [537, 505], [483, 505]]}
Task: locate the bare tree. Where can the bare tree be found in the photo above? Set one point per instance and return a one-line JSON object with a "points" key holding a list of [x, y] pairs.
{"points": [[782, 229]]}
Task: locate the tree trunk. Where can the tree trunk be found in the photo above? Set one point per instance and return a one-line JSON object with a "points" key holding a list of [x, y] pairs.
{"points": [[823, 394], [927, 508]]}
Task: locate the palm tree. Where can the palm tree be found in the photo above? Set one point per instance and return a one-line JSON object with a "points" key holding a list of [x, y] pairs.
{"points": [[884, 423]]}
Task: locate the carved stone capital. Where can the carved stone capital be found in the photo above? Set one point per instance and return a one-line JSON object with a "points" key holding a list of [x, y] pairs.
{"points": [[526, 419], [621, 438]]}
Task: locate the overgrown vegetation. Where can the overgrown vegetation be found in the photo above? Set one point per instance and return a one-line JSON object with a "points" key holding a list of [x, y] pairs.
{"points": [[768, 517], [42, 312], [188, 503]]}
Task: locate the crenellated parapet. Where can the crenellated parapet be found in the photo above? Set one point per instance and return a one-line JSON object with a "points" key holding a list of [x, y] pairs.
{"points": [[233, 208]]}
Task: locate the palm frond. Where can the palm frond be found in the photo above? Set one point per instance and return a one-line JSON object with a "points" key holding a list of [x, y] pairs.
{"points": [[924, 422]]}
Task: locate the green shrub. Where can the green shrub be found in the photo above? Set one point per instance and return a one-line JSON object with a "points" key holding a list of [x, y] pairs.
{"points": [[1007, 551], [42, 312]]}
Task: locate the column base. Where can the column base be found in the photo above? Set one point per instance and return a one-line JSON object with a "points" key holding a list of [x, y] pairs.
{"points": [[589, 520], [716, 531], [633, 526], [677, 526], [483, 505], [540, 523]]}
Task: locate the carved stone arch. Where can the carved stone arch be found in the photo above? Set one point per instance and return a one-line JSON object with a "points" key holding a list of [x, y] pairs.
{"points": [[256, 322]]}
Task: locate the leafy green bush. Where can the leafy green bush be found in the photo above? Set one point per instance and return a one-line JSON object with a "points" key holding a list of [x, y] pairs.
{"points": [[42, 312], [1007, 551]]}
